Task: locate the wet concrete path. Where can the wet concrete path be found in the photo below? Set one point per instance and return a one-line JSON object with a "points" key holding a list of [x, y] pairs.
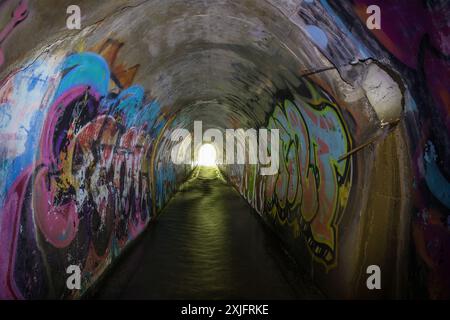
{"points": [[206, 244]]}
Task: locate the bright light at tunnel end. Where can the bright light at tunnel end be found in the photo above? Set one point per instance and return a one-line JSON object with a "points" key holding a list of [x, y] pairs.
{"points": [[207, 155], [241, 146]]}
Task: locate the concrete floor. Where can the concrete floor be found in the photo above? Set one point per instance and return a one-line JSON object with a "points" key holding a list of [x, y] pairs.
{"points": [[207, 244]]}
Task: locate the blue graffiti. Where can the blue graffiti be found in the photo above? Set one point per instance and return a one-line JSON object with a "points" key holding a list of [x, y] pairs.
{"points": [[436, 181]]}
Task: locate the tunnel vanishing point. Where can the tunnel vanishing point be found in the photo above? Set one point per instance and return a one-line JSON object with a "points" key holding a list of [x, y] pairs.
{"points": [[363, 116]]}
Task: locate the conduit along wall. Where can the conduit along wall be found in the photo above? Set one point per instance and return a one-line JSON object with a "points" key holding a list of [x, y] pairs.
{"points": [[86, 117]]}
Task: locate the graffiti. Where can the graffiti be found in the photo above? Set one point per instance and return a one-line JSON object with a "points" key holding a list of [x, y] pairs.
{"points": [[87, 188], [436, 182], [19, 14], [310, 191], [84, 167], [418, 42]]}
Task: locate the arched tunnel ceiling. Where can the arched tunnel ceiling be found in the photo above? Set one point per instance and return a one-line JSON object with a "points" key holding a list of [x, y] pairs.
{"points": [[230, 64], [220, 62]]}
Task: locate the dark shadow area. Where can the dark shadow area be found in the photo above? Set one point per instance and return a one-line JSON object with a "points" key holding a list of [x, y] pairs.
{"points": [[207, 244]]}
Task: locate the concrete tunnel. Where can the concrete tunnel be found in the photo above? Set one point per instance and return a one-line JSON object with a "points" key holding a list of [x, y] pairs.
{"points": [[87, 116]]}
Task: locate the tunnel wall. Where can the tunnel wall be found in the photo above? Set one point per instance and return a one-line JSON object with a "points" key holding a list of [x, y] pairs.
{"points": [[81, 177], [316, 201], [415, 40], [310, 190], [344, 217]]}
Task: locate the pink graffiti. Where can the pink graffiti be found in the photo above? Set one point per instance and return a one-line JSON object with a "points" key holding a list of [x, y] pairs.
{"points": [[11, 222], [19, 15]]}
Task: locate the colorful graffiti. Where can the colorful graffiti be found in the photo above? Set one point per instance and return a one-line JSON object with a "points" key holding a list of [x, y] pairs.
{"points": [[310, 191], [84, 167], [19, 14], [81, 187], [415, 33]]}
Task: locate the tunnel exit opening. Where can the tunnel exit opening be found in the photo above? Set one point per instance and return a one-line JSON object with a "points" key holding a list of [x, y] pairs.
{"points": [[207, 156]]}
